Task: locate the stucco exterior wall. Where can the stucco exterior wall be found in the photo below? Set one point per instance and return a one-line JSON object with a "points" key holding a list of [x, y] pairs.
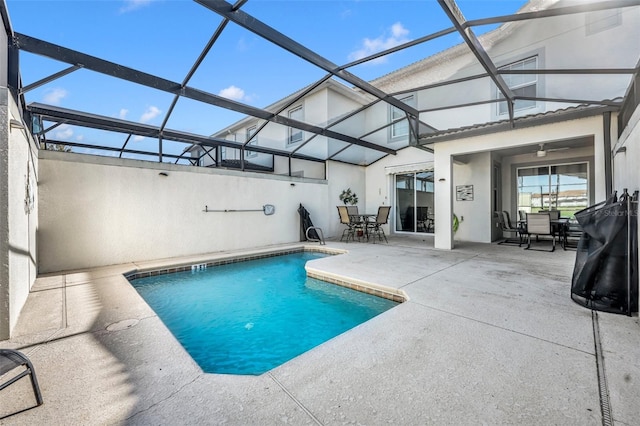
{"points": [[4, 42], [100, 211], [511, 163], [626, 173], [514, 42], [445, 171], [476, 171], [380, 190], [342, 176], [18, 215]]}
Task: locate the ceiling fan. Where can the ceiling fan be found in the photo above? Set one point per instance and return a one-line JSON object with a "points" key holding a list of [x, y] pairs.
{"points": [[543, 152]]}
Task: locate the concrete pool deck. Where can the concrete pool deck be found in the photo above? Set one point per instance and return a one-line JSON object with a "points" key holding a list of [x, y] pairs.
{"points": [[489, 335]]}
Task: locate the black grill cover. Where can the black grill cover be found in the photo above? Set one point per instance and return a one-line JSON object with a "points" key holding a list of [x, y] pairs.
{"points": [[605, 274]]}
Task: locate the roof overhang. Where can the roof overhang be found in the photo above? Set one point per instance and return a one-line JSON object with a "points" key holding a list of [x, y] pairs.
{"points": [[572, 113]]}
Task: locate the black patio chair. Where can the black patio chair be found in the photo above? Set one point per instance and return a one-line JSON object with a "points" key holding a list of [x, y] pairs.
{"points": [[572, 235], [374, 228], [11, 360], [512, 234]]}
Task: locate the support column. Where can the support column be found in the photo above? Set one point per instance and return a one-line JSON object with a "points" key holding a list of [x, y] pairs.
{"points": [[443, 180]]}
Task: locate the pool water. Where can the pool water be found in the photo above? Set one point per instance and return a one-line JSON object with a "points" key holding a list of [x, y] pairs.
{"points": [[249, 317]]}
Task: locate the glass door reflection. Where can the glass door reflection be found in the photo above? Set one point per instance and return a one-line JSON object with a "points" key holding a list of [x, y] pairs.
{"points": [[562, 187], [414, 202]]}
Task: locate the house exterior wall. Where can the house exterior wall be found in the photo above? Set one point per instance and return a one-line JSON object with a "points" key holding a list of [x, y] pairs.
{"points": [[626, 173], [445, 152], [18, 215], [340, 177], [101, 211], [299, 168], [380, 182], [476, 171], [574, 155], [319, 108], [4, 51], [626, 156], [517, 41]]}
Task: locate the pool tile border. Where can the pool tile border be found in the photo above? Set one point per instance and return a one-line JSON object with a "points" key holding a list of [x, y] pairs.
{"points": [[235, 258], [361, 286], [389, 293]]}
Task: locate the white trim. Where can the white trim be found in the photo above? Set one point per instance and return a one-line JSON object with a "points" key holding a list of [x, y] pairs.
{"points": [[291, 132], [249, 134], [425, 166], [514, 87], [409, 99]]}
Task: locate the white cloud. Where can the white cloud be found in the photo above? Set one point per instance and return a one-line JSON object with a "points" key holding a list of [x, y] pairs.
{"points": [[63, 132], [131, 5], [123, 113], [138, 138], [80, 138], [242, 45], [396, 35], [151, 113], [54, 96], [233, 93]]}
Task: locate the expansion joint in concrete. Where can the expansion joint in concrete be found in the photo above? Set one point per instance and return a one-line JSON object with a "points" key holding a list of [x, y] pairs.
{"points": [[305, 409]]}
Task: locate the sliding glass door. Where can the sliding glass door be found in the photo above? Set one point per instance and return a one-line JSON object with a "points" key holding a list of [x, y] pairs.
{"points": [[563, 187], [414, 202]]}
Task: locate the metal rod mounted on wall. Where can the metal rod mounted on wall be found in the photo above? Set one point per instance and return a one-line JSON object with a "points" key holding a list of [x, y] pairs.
{"points": [[267, 209]]}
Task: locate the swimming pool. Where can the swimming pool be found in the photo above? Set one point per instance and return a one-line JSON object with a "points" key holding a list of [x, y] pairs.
{"points": [[249, 317]]}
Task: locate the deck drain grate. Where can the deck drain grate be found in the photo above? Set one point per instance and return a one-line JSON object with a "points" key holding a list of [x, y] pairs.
{"points": [[605, 402]]}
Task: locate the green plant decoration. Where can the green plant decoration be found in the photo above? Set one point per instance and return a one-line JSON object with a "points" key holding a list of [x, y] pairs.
{"points": [[349, 197], [455, 223]]}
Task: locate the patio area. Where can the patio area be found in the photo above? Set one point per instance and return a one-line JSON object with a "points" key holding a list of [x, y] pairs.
{"points": [[489, 335]]}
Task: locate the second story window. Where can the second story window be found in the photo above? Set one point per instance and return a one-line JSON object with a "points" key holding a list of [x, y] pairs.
{"points": [[295, 135], [520, 85], [250, 132], [400, 129]]}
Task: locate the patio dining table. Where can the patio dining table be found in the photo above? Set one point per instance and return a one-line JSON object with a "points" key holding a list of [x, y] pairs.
{"points": [[559, 227], [363, 219]]}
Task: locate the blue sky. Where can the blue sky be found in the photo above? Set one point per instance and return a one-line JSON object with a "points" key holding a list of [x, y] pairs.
{"points": [[164, 38]]}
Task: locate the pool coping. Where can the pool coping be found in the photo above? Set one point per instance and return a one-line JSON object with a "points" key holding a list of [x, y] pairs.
{"points": [[385, 292], [378, 290]]}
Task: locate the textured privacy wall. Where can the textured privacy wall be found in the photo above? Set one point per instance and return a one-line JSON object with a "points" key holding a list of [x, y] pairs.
{"points": [[626, 173], [98, 211], [627, 156], [18, 215]]}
